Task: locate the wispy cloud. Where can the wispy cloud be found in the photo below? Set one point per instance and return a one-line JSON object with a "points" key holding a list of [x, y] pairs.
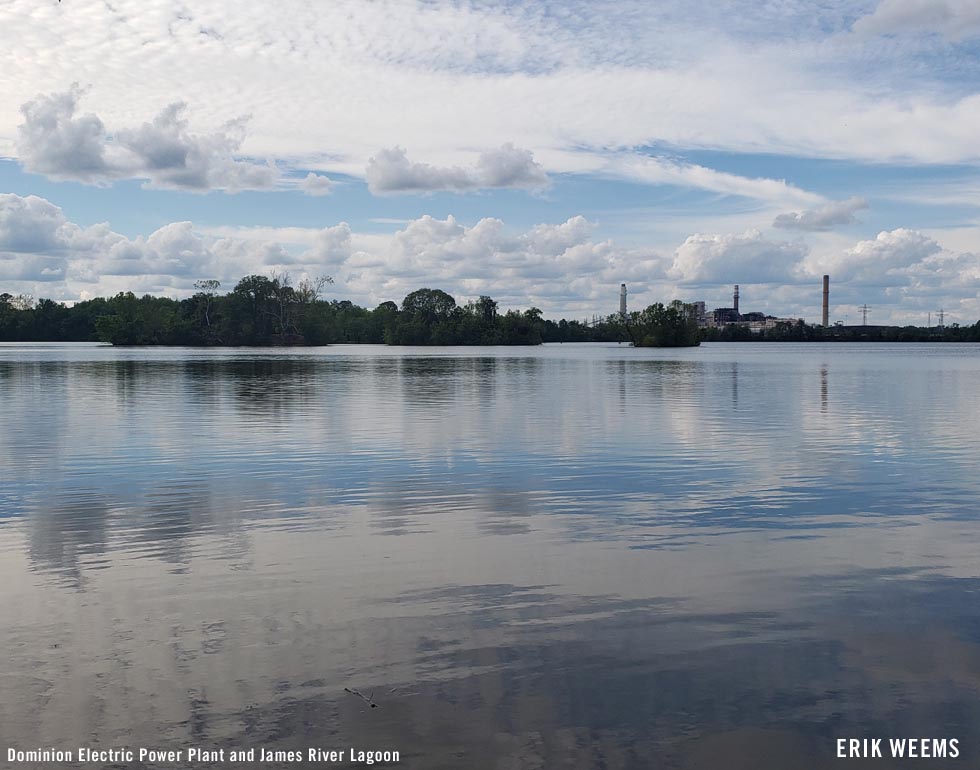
{"points": [[654, 170], [449, 80], [955, 19]]}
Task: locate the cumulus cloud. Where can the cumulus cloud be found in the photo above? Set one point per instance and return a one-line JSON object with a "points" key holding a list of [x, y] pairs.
{"points": [[390, 171], [881, 261], [745, 258], [955, 19], [824, 217], [331, 246], [38, 244], [30, 225], [561, 267], [509, 166], [316, 184], [56, 142]]}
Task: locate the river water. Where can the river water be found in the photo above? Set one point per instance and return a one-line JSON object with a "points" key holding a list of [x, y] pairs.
{"points": [[572, 556]]}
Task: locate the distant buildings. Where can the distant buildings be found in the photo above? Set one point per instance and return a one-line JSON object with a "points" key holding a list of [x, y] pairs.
{"points": [[730, 316]]}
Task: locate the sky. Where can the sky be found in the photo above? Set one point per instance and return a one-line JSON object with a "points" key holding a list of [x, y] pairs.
{"points": [[540, 153]]}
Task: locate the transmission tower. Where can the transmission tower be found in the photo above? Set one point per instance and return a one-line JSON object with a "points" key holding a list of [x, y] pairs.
{"points": [[864, 314], [942, 315]]}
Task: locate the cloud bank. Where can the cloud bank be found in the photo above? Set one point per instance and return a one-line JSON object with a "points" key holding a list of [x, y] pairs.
{"points": [[560, 267]]}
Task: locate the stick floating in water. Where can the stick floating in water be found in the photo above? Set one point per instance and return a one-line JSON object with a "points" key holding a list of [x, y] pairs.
{"points": [[368, 700]]}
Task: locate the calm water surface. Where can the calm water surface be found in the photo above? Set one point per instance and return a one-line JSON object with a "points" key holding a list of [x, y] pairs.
{"points": [[577, 556]]}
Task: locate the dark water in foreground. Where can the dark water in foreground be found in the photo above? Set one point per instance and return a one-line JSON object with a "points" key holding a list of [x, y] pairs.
{"points": [[566, 557]]}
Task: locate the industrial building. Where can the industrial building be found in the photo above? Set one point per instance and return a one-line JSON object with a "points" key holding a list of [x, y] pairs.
{"points": [[724, 316]]}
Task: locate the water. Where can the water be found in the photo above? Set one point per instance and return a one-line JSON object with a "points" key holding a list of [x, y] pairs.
{"points": [[570, 556]]}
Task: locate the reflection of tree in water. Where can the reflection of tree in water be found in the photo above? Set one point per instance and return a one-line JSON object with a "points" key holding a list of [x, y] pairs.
{"points": [[428, 381], [270, 385], [480, 379], [645, 377], [33, 426]]}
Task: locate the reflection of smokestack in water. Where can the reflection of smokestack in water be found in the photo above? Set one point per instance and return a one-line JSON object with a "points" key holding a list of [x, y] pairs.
{"points": [[622, 299], [826, 300], [735, 300]]}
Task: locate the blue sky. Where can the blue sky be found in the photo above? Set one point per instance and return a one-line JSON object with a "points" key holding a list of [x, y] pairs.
{"points": [[541, 153]]}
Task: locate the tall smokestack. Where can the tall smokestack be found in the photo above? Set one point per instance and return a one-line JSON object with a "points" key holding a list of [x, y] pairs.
{"points": [[735, 300], [826, 300], [622, 299]]}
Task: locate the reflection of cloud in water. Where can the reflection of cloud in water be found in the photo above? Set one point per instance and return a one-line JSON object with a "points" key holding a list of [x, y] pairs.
{"points": [[591, 559], [68, 532], [497, 673]]}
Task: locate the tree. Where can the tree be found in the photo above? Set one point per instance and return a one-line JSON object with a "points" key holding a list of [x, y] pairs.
{"points": [[206, 290], [486, 309], [663, 327], [250, 301], [308, 290], [284, 297], [429, 304]]}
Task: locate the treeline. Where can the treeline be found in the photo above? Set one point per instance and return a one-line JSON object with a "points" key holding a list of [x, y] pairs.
{"points": [[663, 326], [272, 311], [801, 332]]}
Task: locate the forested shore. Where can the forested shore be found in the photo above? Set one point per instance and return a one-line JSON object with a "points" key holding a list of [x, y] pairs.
{"points": [[801, 332], [271, 311], [263, 311]]}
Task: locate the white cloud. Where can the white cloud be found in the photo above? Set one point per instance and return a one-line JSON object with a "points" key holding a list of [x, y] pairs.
{"points": [[331, 246], [316, 184], [390, 171], [509, 166], [30, 225], [560, 267], [655, 170], [54, 142], [329, 85], [955, 19], [824, 217], [39, 245], [746, 258], [879, 262]]}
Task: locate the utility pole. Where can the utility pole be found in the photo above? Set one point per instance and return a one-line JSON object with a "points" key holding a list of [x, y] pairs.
{"points": [[864, 314]]}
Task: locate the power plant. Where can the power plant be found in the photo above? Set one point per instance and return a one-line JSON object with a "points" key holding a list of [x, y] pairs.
{"points": [[725, 316]]}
